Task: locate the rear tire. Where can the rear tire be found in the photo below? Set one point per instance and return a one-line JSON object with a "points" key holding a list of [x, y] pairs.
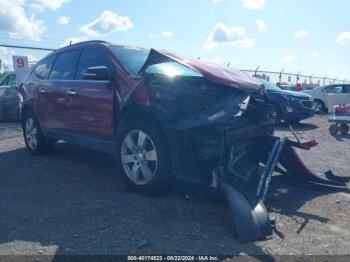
{"points": [[143, 157], [35, 140]]}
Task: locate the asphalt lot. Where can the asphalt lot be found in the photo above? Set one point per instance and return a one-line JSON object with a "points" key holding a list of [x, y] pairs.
{"points": [[73, 202]]}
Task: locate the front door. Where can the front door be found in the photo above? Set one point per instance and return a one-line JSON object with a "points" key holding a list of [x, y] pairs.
{"points": [[90, 102]]}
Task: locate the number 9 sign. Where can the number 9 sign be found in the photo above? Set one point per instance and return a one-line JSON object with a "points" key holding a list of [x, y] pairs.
{"points": [[20, 63]]}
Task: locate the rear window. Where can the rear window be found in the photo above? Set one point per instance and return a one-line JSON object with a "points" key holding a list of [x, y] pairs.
{"points": [[43, 68], [65, 65]]}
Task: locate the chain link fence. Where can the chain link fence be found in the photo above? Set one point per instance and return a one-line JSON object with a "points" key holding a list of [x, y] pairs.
{"points": [[290, 80]]}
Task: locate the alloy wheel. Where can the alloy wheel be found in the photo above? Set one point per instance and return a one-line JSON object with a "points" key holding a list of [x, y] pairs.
{"points": [[31, 132], [318, 107], [139, 157]]}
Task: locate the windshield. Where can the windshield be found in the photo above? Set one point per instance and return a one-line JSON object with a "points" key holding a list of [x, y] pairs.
{"points": [[132, 58], [269, 86], [172, 69]]}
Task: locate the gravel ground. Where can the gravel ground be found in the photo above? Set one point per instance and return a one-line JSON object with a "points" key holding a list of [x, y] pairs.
{"points": [[72, 202]]}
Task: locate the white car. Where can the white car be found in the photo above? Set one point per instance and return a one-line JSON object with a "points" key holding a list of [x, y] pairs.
{"points": [[340, 92]]}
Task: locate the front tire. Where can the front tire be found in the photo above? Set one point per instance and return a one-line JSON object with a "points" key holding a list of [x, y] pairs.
{"points": [[143, 157], [319, 106], [34, 138], [275, 114]]}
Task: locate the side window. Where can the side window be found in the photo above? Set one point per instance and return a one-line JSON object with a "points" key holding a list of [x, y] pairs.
{"points": [[65, 65], [90, 61], [43, 68], [5, 81], [12, 80], [334, 89], [346, 89]]}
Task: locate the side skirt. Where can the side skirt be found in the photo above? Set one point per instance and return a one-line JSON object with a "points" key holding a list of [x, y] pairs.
{"points": [[83, 141]]}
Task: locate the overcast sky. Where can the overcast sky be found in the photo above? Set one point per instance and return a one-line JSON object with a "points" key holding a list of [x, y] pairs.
{"points": [[308, 35]]}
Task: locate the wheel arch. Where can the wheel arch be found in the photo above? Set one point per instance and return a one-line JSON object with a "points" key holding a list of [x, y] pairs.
{"points": [[25, 109], [135, 111]]}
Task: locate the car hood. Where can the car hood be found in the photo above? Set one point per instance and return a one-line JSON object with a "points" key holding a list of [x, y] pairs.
{"points": [[292, 93], [226, 76]]}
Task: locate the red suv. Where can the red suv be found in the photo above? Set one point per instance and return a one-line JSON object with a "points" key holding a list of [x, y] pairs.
{"points": [[161, 115]]}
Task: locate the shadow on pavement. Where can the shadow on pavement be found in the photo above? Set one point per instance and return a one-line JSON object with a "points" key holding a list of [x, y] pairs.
{"points": [[74, 200]]}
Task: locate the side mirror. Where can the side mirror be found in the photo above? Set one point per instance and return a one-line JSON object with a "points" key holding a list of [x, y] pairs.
{"points": [[98, 73]]}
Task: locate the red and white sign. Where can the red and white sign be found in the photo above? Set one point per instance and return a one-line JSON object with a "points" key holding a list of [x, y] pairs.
{"points": [[20, 63]]}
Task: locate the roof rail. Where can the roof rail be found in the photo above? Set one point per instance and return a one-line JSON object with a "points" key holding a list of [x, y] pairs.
{"points": [[90, 42]]}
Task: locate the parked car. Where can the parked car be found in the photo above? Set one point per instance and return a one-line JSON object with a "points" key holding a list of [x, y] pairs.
{"points": [[9, 99], [163, 117], [340, 92], [289, 106]]}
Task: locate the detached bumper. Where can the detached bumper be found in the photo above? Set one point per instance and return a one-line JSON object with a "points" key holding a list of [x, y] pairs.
{"points": [[246, 194]]}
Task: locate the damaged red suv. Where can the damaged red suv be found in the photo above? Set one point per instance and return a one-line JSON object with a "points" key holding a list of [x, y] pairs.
{"points": [[158, 113], [163, 117]]}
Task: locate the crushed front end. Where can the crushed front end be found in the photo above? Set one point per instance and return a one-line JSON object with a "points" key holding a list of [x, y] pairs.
{"points": [[218, 130]]}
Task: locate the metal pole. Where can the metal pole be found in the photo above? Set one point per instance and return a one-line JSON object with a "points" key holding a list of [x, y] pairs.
{"points": [[298, 77], [324, 80], [280, 77], [311, 78], [256, 70]]}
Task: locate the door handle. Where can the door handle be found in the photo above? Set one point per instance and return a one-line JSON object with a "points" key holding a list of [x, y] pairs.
{"points": [[42, 90], [71, 92]]}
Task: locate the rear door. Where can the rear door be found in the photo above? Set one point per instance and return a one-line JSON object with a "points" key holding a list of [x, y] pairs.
{"points": [[56, 93], [90, 104], [337, 92], [40, 84], [346, 94]]}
